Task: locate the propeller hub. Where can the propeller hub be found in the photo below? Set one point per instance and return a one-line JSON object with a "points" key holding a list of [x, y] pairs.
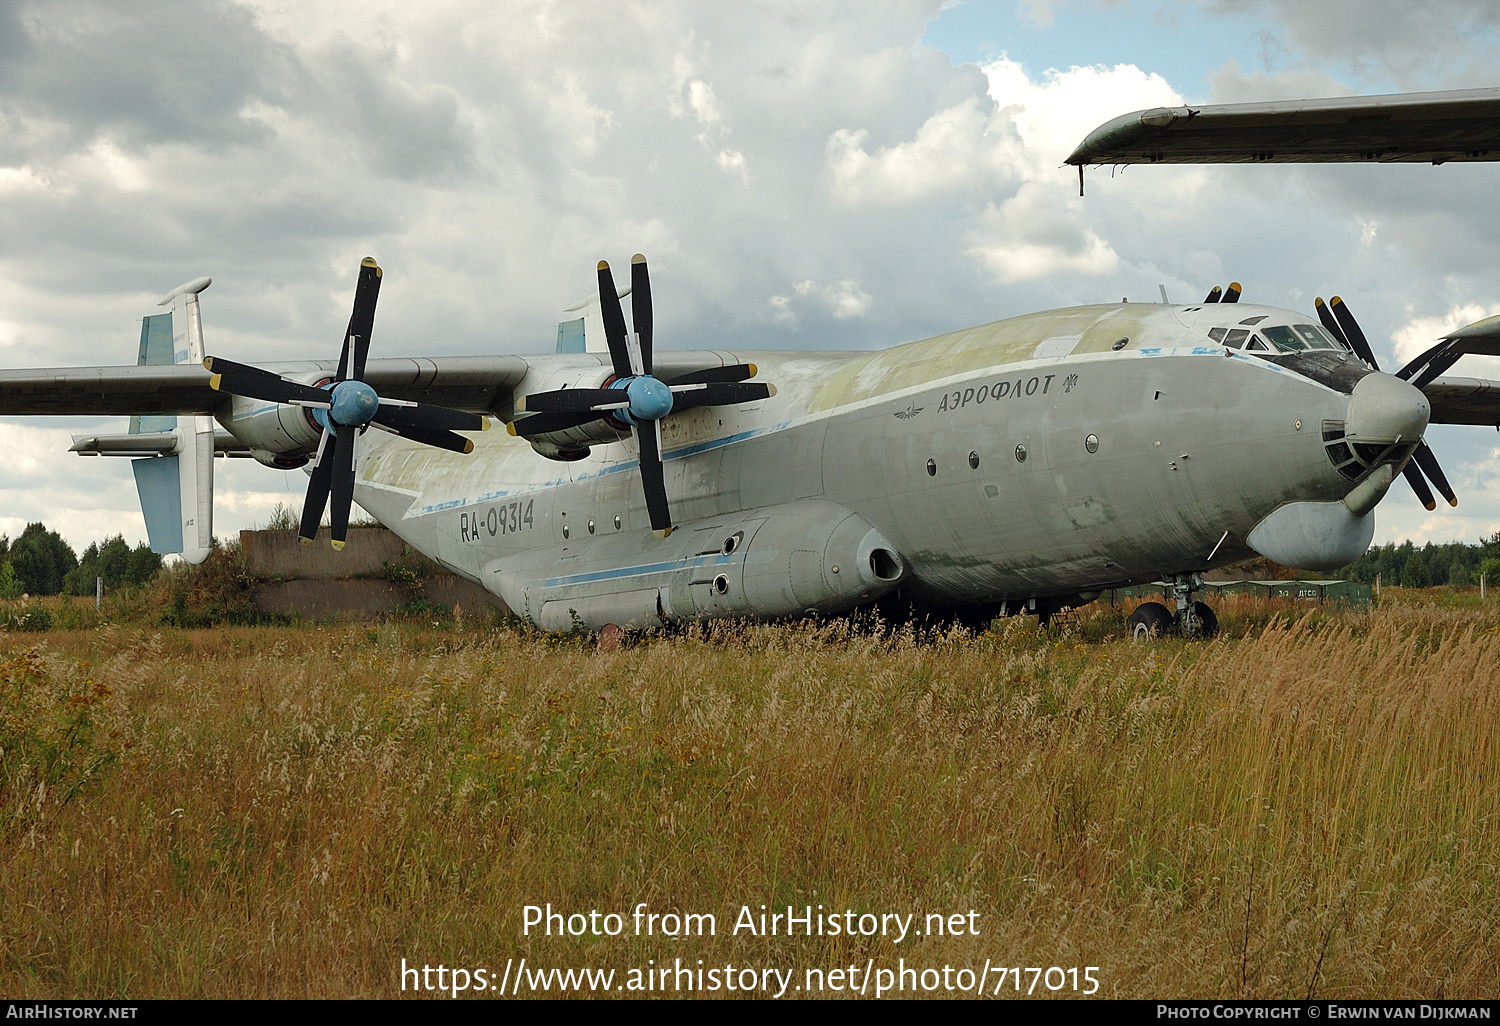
{"points": [[650, 399], [354, 404]]}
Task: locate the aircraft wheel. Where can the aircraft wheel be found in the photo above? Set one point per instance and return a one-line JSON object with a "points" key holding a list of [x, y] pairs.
{"points": [[1150, 620], [1208, 623]]}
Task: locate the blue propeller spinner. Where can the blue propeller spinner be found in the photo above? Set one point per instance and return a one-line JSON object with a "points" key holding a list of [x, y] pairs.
{"points": [[344, 409], [647, 399]]}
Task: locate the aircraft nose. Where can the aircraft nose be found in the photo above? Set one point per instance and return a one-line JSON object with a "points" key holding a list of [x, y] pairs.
{"points": [[1384, 408]]}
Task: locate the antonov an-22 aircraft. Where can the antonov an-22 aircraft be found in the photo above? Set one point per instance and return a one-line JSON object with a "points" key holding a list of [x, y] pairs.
{"points": [[1026, 464]]}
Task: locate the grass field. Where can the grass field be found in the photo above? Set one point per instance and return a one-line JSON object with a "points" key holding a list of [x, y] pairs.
{"points": [[1301, 807]]}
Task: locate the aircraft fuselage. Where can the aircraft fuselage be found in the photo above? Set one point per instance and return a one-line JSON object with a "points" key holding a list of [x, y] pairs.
{"points": [[1049, 455]]}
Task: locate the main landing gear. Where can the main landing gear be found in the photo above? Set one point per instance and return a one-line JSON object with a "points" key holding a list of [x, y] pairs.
{"points": [[1193, 619]]}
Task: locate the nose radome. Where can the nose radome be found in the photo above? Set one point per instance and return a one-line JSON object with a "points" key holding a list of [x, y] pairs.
{"points": [[1384, 408]]}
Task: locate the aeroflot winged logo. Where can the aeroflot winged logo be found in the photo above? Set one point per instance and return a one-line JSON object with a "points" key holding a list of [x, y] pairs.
{"points": [[908, 413]]}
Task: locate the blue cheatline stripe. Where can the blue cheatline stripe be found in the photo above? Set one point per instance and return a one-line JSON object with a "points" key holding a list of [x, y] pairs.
{"points": [[717, 559], [675, 454]]}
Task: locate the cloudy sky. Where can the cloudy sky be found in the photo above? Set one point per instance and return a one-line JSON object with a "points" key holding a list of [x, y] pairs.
{"points": [[803, 174]]}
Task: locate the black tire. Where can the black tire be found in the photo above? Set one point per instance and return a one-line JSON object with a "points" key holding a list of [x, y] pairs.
{"points": [[1208, 623], [1150, 620]]}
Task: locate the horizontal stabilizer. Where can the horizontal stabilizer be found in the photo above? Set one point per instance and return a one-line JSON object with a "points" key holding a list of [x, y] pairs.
{"points": [[151, 443]]}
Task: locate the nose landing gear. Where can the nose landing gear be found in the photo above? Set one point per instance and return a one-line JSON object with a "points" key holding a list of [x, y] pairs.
{"points": [[1193, 619]]}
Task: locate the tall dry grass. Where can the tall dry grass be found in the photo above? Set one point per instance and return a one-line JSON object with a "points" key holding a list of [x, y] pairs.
{"points": [[1296, 808]]}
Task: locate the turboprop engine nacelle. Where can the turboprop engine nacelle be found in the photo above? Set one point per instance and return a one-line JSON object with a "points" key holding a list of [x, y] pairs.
{"points": [[572, 443], [278, 435]]}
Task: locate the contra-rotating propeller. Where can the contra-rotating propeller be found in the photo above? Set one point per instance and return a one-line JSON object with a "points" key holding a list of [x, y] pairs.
{"points": [[1341, 324], [632, 398], [346, 408]]}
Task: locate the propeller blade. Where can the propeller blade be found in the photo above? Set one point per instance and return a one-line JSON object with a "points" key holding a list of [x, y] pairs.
{"points": [[614, 322], [1233, 293], [435, 437], [1430, 364], [432, 418], [342, 497], [1331, 323], [640, 308], [343, 371], [546, 423], [1213, 296], [239, 379], [736, 372], [1419, 485], [1429, 464], [652, 479], [722, 394], [1427, 357], [573, 400], [362, 320], [1355, 336], [317, 492]]}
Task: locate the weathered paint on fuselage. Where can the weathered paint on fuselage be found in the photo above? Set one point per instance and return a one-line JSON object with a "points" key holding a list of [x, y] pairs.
{"points": [[1194, 444]]}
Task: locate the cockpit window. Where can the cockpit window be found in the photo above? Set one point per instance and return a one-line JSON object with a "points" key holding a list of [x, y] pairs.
{"points": [[1316, 337], [1284, 338], [1297, 338], [1278, 338]]}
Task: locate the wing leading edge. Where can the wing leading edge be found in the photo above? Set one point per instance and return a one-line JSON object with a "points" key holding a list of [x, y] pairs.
{"points": [[1435, 127]]}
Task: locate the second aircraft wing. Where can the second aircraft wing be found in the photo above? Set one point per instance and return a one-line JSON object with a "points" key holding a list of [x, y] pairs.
{"points": [[1436, 127]]}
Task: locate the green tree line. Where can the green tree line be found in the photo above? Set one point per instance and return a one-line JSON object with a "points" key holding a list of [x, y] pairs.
{"points": [[1457, 563], [39, 562]]}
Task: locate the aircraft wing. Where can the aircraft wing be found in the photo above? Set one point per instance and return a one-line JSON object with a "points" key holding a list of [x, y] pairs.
{"points": [[1462, 124], [478, 384], [481, 384], [1482, 338], [1458, 400]]}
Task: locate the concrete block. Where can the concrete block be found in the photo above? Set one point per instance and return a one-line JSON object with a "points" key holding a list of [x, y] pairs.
{"points": [[281, 555], [329, 600]]}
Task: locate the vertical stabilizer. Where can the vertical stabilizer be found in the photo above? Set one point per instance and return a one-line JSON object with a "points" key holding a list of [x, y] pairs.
{"points": [[582, 328], [177, 491], [156, 351]]}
